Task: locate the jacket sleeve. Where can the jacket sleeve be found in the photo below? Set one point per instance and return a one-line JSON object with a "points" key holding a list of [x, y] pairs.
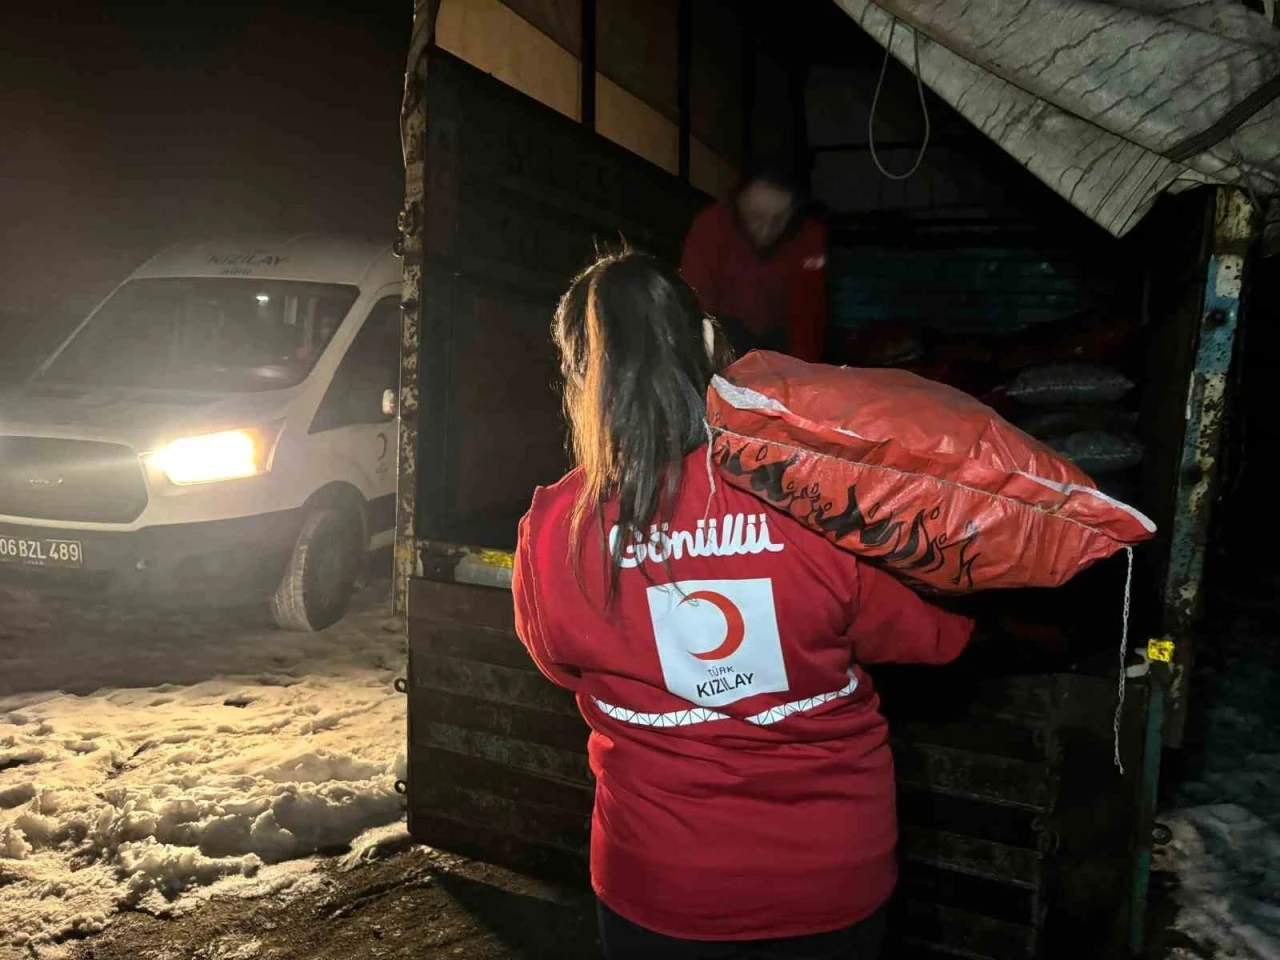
{"points": [[894, 624], [807, 305], [529, 623], [699, 258]]}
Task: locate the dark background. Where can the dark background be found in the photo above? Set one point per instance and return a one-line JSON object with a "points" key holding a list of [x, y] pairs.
{"points": [[128, 126]]}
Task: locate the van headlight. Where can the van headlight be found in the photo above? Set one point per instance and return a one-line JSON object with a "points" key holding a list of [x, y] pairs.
{"points": [[229, 455]]}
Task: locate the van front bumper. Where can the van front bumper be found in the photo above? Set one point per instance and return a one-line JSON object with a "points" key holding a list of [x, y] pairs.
{"points": [[218, 560]]}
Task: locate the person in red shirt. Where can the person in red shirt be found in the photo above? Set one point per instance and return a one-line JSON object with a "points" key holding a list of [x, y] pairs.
{"points": [[760, 267], [744, 783]]}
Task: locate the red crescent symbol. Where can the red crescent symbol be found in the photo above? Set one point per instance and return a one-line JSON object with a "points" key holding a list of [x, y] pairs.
{"points": [[736, 629]]}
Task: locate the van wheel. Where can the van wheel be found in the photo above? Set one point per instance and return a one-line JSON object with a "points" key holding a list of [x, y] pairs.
{"points": [[318, 582]]}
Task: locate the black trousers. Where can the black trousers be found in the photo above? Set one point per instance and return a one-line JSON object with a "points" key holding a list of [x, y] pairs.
{"points": [[624, 940]]}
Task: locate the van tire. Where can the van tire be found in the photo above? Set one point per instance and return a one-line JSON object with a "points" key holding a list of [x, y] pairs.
{"points": [[316, 588]]}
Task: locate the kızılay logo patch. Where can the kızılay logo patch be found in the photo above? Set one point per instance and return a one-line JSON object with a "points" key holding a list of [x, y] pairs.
{"points": [[718, 640]]}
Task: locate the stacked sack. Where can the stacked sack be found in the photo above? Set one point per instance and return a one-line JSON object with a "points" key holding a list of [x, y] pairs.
{"points": [[1077, 409]]}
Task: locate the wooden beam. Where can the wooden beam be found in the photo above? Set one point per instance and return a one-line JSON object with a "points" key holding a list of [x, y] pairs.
{"points": [[749, 46], [684, 57], [587, 103], [1234, 228]]}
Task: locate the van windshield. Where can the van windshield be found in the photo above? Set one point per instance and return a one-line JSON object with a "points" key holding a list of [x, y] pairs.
{"points": [[223, 334]]}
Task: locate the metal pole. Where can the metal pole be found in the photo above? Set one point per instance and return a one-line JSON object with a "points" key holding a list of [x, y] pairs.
{"points": [[1152, 749], [413, 130], [1234, 226]]}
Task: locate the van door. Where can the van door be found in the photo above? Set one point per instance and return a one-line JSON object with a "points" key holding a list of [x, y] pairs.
{"points": [[350, 432], [516, 201]]}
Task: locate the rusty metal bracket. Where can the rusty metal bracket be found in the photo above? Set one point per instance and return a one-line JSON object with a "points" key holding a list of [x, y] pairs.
{"points": [[408, 224]]}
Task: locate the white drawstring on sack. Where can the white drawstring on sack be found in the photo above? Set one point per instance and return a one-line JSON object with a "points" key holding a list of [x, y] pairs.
{"points": [[711, 473], [1124, 653]]}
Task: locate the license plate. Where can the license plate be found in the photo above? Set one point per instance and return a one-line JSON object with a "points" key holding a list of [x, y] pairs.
{"points": [[41, 552]]}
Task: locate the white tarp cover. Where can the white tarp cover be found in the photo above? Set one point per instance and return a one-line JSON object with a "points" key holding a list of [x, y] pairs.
{"points": [[1109, 103]]}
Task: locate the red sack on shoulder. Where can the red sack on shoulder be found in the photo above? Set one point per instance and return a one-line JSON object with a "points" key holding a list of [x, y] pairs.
{"points": [[911, 473]]}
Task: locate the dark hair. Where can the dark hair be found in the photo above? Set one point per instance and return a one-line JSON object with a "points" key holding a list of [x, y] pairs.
{"points": [[636, 370], [773, 171]]}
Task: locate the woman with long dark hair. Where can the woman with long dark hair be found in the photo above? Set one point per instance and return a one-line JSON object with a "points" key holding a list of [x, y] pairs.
{"points": [[744, 784]]}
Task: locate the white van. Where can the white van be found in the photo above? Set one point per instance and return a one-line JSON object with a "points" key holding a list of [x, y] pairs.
{"points": [[223, 425]]}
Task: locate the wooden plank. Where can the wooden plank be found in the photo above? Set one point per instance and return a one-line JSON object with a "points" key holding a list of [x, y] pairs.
{"points": [[970, 855], [549, 762], [964, 934], [589, 44], [529, 194], [994, 899], [461, 604], [561, 20], [512, 436], [539, 825], [1031, 786], [485, 681], [918, 951], [479, 644], [607, 189], [639, 50], [493, 846], [502, 719], [498, 779], [962, 692], [1029, 741], [968, 817], [510, 142], [1032, 696], [520, 230]]}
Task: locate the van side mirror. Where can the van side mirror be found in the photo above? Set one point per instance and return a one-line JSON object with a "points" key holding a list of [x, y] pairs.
{"points": [[390, 404]]}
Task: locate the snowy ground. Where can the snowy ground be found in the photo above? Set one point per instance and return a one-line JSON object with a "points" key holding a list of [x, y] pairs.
{"points": [[170, 787], [418, 904], [1224, 860], [149, 762]]}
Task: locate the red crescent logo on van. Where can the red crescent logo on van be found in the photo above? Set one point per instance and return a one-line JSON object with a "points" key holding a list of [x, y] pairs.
{"points": [[735, 627]]}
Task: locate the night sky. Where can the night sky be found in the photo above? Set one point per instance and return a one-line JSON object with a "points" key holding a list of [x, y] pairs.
{"points": [[127, 127]]}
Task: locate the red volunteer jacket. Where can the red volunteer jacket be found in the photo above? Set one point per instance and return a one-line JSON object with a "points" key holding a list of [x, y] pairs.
{"points": [[787, 288], [744, 785]]}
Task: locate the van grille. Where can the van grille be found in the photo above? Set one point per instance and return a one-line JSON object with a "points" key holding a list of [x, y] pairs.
{"points": [[70, 480]]}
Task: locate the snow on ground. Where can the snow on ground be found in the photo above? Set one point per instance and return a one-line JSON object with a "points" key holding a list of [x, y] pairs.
{"points": [[216, 755], [1225, 851]]}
